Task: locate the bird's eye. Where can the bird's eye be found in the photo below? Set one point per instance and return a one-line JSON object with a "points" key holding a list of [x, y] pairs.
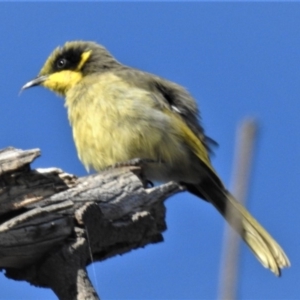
{"points": [[61, 63]]}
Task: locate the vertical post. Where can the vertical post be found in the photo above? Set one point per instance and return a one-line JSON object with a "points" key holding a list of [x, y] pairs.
{"points": [[245, 143]]}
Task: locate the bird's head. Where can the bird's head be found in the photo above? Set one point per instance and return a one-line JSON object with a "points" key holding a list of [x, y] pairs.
{"points": [[67, 65]]}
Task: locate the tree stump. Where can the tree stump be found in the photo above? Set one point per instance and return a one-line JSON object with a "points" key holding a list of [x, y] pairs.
{"points": [[53, 224]]}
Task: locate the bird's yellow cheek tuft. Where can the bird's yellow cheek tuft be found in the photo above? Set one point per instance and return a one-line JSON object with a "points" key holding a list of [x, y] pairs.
{"points": [[61, 82]]}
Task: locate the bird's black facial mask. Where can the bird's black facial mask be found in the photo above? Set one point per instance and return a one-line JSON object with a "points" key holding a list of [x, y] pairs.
{"points": [[69, 60], [61, 72]]}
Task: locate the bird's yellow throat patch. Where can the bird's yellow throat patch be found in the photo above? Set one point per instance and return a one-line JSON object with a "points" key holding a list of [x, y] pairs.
{"points": [[61, 82]]}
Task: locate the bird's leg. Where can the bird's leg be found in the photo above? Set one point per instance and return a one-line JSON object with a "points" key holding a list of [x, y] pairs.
{"points": [[136, 162]]}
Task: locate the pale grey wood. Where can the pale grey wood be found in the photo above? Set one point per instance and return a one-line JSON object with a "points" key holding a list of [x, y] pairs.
{"points": [[51, 221], [12, 159]]}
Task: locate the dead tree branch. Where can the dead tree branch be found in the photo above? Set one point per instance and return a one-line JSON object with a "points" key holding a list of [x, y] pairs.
{"points": [[49, 219]]}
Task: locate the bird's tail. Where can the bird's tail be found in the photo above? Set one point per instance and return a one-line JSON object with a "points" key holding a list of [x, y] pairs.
{"points": [[265, 248]]}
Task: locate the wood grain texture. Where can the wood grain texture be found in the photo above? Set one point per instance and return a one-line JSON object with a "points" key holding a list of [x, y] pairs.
{"points": [[49, 219]]}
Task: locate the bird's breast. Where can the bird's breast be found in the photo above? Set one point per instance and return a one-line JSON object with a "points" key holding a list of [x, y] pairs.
{"points": [[113, 122]]}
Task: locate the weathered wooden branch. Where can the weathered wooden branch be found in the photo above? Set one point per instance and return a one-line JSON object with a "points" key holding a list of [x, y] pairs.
{"points": [[53, 224]]}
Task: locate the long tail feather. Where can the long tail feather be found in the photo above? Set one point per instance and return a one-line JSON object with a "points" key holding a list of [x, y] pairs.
{"points": [[264, 247]]}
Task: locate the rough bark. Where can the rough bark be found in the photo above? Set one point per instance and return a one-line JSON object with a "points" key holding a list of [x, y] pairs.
{"points": [[53, 224]]}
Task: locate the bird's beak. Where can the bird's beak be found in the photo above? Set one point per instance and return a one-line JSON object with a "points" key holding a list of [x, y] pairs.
{"points": [[36, 81]]}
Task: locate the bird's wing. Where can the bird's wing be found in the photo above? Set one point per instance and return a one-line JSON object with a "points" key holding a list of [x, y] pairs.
{"points": [[182, 103], [174, 96]]}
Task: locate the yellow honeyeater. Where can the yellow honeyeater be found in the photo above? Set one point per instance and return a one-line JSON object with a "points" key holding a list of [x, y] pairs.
{"points": [[118, 114]]}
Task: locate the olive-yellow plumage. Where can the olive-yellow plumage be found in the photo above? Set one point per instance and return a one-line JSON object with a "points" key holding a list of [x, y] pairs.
{"points": [[118, 113]]}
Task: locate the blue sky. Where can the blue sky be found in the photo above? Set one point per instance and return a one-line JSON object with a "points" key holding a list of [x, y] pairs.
{"points": [[237, 60]]}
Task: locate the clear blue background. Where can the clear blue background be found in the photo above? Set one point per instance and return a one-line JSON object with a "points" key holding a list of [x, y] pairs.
{"points": [[237, 60]]}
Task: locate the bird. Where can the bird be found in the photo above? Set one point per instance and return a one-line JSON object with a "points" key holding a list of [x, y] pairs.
{"points": [[119, 114]]}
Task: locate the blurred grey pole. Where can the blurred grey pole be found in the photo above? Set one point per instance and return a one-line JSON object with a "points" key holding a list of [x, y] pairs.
{"points": [[243, 161]]}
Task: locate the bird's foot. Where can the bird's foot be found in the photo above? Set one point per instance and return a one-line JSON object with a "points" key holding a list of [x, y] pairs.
{"points": [[135, 162]]}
